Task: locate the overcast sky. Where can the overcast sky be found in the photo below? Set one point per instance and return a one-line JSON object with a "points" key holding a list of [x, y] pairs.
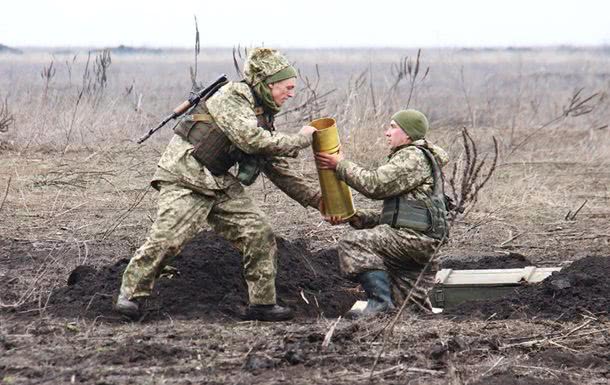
{"points": [[312, 23]]}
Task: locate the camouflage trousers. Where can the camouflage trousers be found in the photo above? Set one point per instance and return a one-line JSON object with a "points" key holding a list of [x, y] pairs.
{"points": [[401, 252], [182, 213]]}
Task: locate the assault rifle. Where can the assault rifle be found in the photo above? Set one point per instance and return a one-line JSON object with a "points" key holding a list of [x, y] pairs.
{"points": [[192, 101]]}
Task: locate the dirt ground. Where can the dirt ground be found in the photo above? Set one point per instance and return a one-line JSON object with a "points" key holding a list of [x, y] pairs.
{"points": [[70, 223]]}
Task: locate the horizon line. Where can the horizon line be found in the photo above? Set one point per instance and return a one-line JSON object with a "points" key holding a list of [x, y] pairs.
{"points": [[344, 47]]}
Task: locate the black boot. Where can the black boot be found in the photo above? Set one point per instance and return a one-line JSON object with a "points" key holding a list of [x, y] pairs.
{"points": [[376, 284], [269, 313], [130, 308]]}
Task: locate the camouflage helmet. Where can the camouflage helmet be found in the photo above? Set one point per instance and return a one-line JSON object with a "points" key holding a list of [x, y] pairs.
{"points": [[262, 63]]}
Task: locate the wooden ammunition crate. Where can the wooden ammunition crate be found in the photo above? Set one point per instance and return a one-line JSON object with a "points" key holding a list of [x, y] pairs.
{"points": [[455, 286]]}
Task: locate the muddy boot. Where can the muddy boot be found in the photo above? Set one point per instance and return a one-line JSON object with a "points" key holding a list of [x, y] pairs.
{"points": [[127, 307], [376, 284], [269, 313]]}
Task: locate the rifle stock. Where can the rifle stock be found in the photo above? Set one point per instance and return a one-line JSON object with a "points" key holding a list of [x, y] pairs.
{"points": [[184, 106]]}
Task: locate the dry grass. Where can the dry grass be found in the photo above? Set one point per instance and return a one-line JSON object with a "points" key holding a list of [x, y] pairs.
{"points": [[73, 135], [74, 185]]}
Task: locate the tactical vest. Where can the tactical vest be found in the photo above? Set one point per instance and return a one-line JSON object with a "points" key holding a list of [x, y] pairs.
{"points": [[213, 149], [428, 216]]}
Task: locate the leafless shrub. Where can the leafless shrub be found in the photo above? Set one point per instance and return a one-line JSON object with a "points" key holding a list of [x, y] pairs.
{"points": [[69, 64], [471, 114], [129, 89], [47, 74], [312, 100], [102, 62], [137, 96], [95, 76], [87, 87], [6, 116], [356, 83], [577, 106], [372, 90], [193, 69], [345, 106], [94, 81], [467, 183], [239, 55], [407, 70]]}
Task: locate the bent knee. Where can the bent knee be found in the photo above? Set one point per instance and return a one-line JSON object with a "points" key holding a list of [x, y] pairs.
{"points": [[352, 238]]}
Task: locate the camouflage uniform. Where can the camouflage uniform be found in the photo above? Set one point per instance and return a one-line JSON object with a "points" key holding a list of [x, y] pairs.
{"points": [[400, 251], [191, 196]]}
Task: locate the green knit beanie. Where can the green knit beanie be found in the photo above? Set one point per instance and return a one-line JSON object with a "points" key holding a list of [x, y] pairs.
{"points": [[413, 122], [283, 74]]}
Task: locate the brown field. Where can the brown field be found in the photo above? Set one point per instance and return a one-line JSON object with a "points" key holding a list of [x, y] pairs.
{"points": [[74, 193]]}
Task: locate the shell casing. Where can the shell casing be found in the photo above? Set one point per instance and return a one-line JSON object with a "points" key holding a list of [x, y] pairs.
{"points": [[336, 194]]}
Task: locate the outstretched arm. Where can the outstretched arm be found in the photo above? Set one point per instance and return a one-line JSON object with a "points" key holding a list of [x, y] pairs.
{"points": [[405, 171], [233, 112], [294, 184]]}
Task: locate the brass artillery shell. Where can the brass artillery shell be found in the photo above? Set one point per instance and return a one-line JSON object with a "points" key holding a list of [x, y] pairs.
{"points": [[335, 193]]}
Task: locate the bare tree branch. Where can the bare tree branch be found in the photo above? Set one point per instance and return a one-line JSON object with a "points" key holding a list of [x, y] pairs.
{"points": [[472, 178]]}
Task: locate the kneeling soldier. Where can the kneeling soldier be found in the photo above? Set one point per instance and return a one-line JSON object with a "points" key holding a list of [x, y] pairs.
{"points": [[391, 247]]}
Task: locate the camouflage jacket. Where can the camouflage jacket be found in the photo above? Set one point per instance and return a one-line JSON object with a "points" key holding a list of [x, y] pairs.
{"points": [[406, 172], [232, 108]]}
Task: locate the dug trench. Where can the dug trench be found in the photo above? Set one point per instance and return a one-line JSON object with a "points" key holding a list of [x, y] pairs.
{"points": [[207, 284]]}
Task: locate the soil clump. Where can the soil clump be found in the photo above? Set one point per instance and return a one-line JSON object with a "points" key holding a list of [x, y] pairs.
{"points": [[207, 284], [476, 262]]}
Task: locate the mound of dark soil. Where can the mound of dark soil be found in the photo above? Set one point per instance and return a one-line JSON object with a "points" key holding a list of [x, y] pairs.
{"points": [[581, 288], [209, 284], [502, 261]]}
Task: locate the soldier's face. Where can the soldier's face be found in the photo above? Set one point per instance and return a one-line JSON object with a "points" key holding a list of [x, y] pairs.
{"points": [[283, 90], [396, 136]]}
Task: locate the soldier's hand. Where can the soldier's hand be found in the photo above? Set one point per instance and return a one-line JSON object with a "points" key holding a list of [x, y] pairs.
{"points": [[328, 161], [334, 219], [307, 131]]}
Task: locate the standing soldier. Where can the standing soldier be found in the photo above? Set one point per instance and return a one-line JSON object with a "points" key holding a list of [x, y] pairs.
{"points": [[235, 125], [392, 246]]}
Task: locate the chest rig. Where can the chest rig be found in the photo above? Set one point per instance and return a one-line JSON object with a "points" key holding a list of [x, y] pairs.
{"points": [[428, 215], [213, 149]]}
